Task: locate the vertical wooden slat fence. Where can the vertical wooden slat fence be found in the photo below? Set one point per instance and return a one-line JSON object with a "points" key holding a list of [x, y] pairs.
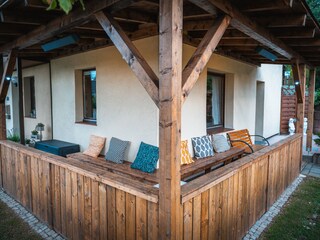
{"points": [[225, 203], [72, 202], [84, 202]]}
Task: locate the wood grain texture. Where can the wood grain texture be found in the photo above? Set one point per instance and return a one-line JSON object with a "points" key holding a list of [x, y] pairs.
{"points": [[241, 193], [219, 205], [170, 68]]}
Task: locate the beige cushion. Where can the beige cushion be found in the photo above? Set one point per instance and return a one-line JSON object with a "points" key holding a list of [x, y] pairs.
{"points": [[95, 146]]}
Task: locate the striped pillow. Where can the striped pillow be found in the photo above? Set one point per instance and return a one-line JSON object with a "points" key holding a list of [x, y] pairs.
{"points": [[117, 150]]}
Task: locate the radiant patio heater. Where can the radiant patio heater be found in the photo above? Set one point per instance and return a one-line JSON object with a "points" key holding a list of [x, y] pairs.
{"points": [[265, 53], [65, 41]]}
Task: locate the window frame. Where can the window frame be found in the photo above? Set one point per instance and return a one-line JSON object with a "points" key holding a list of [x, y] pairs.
{"points": [[85, 119], [222, 108], [31, 98]]}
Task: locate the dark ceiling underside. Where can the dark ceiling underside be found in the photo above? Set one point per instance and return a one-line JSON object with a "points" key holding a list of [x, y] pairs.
{"points": [[289, 21]]}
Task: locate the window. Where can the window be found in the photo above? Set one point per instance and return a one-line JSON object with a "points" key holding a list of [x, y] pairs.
{"points": [[215, 100], [29, 97], [89, 95]]}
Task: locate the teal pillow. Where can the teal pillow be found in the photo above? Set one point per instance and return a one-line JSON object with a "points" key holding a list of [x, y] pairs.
{"points": [[147, 158]]}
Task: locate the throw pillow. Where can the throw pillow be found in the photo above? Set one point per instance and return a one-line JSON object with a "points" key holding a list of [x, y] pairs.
{"points": [[202, 147], [220, 143], [117, 150], [185, 155], [95, 146], [147, 158]]}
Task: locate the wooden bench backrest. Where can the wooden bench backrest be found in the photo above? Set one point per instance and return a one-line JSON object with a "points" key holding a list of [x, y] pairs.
{"points": [[240, 135]]}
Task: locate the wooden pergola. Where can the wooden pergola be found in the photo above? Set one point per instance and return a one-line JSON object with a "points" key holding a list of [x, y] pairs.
{"points": [[235, 29]]}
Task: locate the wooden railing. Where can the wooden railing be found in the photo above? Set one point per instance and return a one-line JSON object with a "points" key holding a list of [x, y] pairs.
{"points": [[78, 201], [86, 202], [225, 203]]}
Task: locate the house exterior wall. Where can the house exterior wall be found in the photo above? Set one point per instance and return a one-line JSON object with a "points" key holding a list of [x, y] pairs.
{"points": [[125, 111], [41, 74]]}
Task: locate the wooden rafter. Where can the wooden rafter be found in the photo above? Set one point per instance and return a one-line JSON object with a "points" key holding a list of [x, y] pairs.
{"points": [[201, 56], [266, 5], [131, 55], [250, 28], [170, 69], [61, 24], [7, 73]]}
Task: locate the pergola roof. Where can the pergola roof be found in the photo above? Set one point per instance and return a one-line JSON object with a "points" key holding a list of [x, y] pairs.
{"points": [[285, 28]]}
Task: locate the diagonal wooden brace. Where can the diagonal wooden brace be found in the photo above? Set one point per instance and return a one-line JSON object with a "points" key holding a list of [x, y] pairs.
{"points": [[201, 56], [131, 55]]}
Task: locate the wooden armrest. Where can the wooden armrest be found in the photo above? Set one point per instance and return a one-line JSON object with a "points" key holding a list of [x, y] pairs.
{"points": [[248, 145]]}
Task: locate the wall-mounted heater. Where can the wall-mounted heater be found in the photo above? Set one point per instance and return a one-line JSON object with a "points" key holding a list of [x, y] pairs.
{"points": [[65, 41], [265, 53]]}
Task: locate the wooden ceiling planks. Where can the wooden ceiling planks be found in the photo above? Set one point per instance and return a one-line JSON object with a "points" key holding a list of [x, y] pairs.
{"points": [[283, 27]]}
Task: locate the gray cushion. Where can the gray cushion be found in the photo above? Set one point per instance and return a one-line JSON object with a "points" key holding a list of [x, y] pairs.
{"points": [[220, 143], [202, 147], [117, 150]]}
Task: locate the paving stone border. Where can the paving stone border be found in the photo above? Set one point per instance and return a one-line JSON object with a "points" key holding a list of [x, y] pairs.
{"points": [[256, 230], [42, 229]]}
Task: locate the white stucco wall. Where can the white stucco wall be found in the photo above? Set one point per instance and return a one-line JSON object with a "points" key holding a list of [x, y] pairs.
{"points": [[41, 74], [125, 110], [271, 75]]}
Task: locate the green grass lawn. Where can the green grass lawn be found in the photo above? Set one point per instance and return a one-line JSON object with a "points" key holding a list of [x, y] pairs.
{"points": [[12, 227], [300, 218]]}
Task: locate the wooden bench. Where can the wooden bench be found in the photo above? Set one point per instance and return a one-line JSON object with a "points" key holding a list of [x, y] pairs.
{"points": [[121, 169], [199, 165], [242, 139], [205, 164]]}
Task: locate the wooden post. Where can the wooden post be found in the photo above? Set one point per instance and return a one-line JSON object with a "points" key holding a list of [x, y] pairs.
{"points": [[311, 108], [301, 72], [21, 112], [3, 132], [170, 68]]}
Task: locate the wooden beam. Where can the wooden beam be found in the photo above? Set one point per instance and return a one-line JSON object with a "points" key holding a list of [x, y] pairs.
{"points": [[255, 6], [301, 105], [201, 56], [294, 20], [21, 108], [131, 55], [32, 17], [251, 28], [297, 81], [7, 74], [59, 25], [35, 4], [311, 109], [294, 32], [170, 68]]}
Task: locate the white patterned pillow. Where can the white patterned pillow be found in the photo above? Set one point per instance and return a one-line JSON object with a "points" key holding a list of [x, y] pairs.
{"points": [[220, 143], [117, 150], [202, 147]]}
